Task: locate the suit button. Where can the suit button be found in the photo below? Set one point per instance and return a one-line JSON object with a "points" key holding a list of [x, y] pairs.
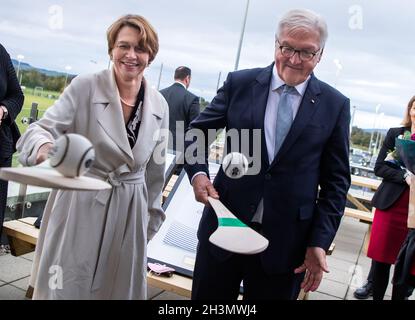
{"points": [[268, 176]]}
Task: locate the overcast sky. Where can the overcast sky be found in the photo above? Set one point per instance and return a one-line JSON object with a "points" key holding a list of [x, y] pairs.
{"points": [[372, 41]]}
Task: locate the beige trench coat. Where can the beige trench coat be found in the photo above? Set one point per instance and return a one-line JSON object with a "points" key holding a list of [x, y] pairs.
{"points": [[92, 245]]}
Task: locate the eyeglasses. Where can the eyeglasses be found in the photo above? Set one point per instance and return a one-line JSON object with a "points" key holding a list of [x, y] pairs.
{"points": [[126, 47], [304, 55]]}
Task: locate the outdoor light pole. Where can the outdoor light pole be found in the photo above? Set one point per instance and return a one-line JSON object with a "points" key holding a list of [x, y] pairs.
{"points": [[242, 37], [378, 134], [161, 71], [218, 84], [373, 129], [339, 67], [67, 68], [352, 120], [20, 57]]}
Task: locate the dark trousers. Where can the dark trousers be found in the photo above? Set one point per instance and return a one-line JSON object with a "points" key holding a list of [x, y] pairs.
{"points": [[215, 278], [379, 275], [3, 192]]}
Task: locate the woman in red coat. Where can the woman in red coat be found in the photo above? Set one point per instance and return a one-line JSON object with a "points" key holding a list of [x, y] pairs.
{"points": [[391, 201]]}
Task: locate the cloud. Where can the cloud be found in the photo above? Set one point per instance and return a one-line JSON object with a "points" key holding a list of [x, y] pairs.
{"points": [[377, 59], [368, 120]]}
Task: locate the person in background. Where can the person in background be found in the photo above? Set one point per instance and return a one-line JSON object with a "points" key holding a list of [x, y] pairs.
{"points": [[96, 241], [366, 290], [404, 272], [11, 103], [184, 106], [391, 200]]}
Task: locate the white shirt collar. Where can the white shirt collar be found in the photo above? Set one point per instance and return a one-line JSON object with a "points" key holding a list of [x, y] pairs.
{"points": [[181, 84], [277, 82]]}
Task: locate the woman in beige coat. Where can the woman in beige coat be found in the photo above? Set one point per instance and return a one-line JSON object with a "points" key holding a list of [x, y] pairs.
{"points": [[92, 245]]}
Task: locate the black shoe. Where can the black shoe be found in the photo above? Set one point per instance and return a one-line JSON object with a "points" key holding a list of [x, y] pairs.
{"points": [[364, 292], [409, 292]]}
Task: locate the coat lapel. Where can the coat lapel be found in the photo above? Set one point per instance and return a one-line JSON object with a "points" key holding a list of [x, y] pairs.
{"points": [[260, 93], [148, 134], [111, 118], [308, 107]]}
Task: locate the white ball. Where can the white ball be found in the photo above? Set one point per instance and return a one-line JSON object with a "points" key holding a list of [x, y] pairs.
{"points": [[235, 165], [72, 155]]}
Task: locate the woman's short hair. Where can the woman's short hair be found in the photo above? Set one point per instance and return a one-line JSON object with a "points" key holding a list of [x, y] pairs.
{"points": [[407, 118], [148, 36], [302, 18]]}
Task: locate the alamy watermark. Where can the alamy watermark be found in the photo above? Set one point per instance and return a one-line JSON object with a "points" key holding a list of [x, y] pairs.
{"points": [[56, 278], [192, 146], [356, 18], [55, 17]]}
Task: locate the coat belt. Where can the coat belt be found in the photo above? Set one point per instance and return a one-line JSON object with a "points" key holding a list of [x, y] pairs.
{"points": [[109, 253], [119, 176]]}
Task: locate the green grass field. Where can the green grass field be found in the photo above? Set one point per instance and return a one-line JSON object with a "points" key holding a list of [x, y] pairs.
{"points": [[43, 102]]}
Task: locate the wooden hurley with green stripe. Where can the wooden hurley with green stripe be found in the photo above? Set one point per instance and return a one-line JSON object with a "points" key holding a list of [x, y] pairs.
{"points": [[48, 177], [234, 235]]}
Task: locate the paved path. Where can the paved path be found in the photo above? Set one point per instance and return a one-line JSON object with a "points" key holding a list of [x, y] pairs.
{"points": [[348, 269]]}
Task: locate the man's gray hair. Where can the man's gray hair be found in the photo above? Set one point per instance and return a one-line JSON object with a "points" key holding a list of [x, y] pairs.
{"points": [[303, 18]]}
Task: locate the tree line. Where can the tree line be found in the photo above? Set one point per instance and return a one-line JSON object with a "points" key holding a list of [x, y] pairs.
{"points": [[361, 138], [33, 78]]}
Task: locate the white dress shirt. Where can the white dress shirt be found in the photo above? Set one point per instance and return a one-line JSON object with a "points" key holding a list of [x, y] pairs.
{"points": [[179, 82], [270, 120]]}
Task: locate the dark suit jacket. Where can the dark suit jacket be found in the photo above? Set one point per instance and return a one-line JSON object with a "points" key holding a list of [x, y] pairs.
{"points": [[393, 183], [183, 106], [11, 96], [315, 152]]}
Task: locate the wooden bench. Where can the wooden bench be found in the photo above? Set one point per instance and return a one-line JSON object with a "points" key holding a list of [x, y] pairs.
{"points": [[365, 217], [22, 235], [169, 186], [365, 182], [361, 196]]}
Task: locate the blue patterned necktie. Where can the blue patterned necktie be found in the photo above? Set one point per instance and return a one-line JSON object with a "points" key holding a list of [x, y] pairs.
{"points": [[284, 116]]}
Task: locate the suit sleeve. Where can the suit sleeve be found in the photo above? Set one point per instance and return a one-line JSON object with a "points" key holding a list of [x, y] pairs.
{"points": [[14, 98], [198, 139], [194, 109], [384, 170], [334, 183]]}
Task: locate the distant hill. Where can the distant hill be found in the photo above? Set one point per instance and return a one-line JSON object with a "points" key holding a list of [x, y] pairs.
{"points": [[25, 66], [374, 130], [383, 131]]}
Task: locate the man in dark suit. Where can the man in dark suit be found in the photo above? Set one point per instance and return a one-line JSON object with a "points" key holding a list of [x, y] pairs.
{"points": [[11, 102], [183, 106], [304, 127]]}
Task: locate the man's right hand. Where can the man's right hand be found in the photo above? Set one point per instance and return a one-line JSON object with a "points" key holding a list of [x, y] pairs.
{"points": [[42, 153], [202, 187]]}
